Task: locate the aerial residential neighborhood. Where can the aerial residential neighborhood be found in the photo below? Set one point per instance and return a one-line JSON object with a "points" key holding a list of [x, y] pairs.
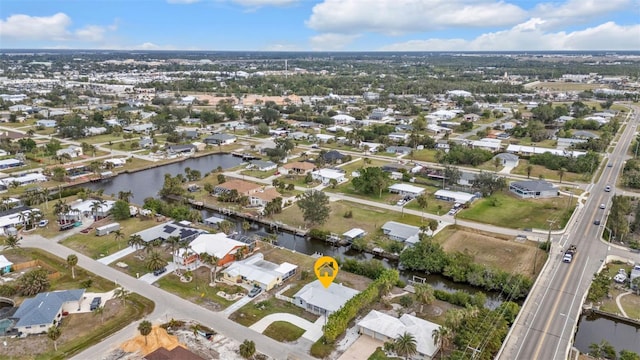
{"points": [[160, 203]]}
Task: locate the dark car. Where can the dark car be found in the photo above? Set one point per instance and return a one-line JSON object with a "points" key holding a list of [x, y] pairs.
{"points": [[596, 222], [159, 271], [95, 303], [609, 165], [255, 291]]}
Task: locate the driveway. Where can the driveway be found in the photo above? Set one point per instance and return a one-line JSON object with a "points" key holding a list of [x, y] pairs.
{"points": [[361, 349], [149, 278], [85, 304], [313, 333], [117, 255], [237, 305]]}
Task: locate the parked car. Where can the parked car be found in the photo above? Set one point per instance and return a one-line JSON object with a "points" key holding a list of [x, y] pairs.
{"points": [[401, 202], [95, 303], [255, 291], [43, 223], [159, 271], [620, 278]]}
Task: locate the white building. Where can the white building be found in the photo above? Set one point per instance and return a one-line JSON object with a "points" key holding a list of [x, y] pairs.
{"points": [[317, 299], [326, 175], [406, 190], [455, 196], [530, 150], [256, 271], [25, 179]]}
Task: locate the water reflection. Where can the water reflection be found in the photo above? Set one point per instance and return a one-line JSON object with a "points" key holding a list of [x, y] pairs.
{"points": [[595, 328]]}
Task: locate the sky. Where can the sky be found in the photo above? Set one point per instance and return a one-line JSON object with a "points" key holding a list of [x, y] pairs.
{"points": [[321, 25]]}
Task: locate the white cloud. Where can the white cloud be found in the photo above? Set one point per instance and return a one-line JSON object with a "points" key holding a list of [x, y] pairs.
{"points": [[331, 41], [261, 3], [530, 35], [393, 17], [577, 11], [25, 27]]}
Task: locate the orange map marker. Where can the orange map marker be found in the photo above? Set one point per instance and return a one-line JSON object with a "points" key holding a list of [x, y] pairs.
{"points": [[326, 269]]}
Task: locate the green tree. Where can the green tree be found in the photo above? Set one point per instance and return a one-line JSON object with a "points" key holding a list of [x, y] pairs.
{"points": [[54, 334], [72, 261], [33, 282], [136, 241], [221, 178], [423, 203], [155, 261], [125, 195], [372, 180], [11, 242], [145, 328], [247, 349], [225, 226], [628, 355], [405, 345], [120, 210], [315, 207], [424, 294]]}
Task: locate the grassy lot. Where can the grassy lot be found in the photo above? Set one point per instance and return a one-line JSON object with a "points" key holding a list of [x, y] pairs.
{"points": [[347, 189], [567, 86], [258, 174], [253, 312], [631, 305], [539, 170], [428, 155], [370, 219], [516, 213], [548, 143], [358, 164], [104, 138], [198, 291], [136, 262], [498, 251], [100, 246], [283, 331]]}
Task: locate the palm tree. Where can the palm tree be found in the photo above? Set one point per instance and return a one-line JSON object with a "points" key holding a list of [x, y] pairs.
{"points": [[155, 261], [247, 349], [136, 241], [11, 242], [424, 294], [211, 260], [561, 173], [423, 203], [225, 226], [99, 311], [194, 328], [117, 236], [122, 294], [246, 226], [529, 169], [443, 337], [405, 345], [54, 334], [145, 328], [174, 244], [97, 206], [72, 261], [125, 195]]}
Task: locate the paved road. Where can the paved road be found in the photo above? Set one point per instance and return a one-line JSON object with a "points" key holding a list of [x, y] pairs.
{"points": [[546, 324], [167, 306]]}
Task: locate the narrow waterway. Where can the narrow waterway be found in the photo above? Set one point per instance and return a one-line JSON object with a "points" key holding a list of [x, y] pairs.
{"points": [[148, 182], [595, 328]]}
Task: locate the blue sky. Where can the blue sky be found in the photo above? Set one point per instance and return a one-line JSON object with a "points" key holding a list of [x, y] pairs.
{"points": [[301, 25]]}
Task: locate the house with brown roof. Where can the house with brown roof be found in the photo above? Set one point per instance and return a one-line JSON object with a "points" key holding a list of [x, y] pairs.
{"points": [[298, 167], [177, 353], [244, 188]]}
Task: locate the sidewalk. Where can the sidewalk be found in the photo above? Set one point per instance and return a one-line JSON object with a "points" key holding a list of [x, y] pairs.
{"points": [[236, 305], [117, 255]]}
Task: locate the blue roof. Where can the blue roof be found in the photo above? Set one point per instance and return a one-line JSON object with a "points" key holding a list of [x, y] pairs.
{"points": [[44, 308]]}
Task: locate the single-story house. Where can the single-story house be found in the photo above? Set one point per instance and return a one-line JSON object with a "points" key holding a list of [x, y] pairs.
{"points": [[317, 299], [244, 188], [399, 150], [332, 156], [73, 151], [508, 160], [398, 136], [583, 134], [383, 327], [117, 162], [353, 234], [140, 128], [487, 144], [220, 139], [455, 196], [162, 232], [370, 147], [535, 189], [343, 119], [25, 179], [406, 190], [181, 149], [212, 221], [87, 208], [255, 270], [401, 232], [412, 169], [145, 142], [324, 137], [262, 165], [530, 150], [471, 117], [36, 315], [10, 163], [5, 265], [326, 175], [298, 167], [218, 245], [14, 217], [508, 125], [467, 178], [95, 130], [443, 145], [47, 123]]}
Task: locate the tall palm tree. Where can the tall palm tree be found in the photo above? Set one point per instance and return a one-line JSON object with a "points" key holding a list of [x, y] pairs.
{"points": [[405, 345], [54, 334], [561, 173], [423, 203], [72, 261], [97, 205], [174, 244], [155, 261], [442, 336], [424, 294], [145, 328], [125, 195], [117, 236], [212, 261], [136, 241], [11, 242]]}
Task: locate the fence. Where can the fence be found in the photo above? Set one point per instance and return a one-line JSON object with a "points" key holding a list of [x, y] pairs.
{"points": [[279, 295], [53, 274]]}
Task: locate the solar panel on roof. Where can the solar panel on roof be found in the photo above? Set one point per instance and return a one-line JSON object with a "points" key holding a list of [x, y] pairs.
{"points": [[169, 229]]}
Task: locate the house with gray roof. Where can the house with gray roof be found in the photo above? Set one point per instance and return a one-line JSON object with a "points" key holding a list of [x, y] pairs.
{"points": [[401, 232], [220, 139], [262, 165], [583, 134], [182, 149], [38, 314], [533, 189], [164, 231], [399, 150], [508, 160], [46, 123], [317, 299]]}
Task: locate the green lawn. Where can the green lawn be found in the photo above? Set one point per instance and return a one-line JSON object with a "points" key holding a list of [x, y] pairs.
{"points": [[253, 312], [516, 213], [358, 164], [283, 331], [539, 170], [258, 174], [199, 291], [104, 138], [548, 143], [428, 155], [137, 262]]}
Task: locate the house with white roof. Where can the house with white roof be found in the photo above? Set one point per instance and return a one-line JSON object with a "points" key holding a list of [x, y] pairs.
{"points": [[73, 151], [10, 163], [219, 245], [255, 270], [324, 137], [23, 180], [406, 190], [317, 299], [87, 208], [326, 175], [530, 150], [343, 119], [492, 145], [383, 327], [455, 196]]}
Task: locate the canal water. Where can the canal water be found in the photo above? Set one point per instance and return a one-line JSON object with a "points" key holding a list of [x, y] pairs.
{"points": [[595, 328], [147, 183]]}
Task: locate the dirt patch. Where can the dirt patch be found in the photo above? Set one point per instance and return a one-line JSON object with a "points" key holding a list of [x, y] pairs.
{"points": [[496, 252], [147, 344]]}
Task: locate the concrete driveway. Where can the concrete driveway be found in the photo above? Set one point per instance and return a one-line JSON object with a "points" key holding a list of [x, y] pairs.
{"points": [[313, 333], [85, 304], [361, 349]]}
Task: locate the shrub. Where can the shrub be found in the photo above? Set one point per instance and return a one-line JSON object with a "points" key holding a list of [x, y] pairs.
{"points": [[406, 301], [348, 214]]}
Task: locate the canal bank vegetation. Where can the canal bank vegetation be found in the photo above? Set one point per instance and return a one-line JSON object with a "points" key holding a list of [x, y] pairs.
{"points": [[604, 291], [78, 331]]}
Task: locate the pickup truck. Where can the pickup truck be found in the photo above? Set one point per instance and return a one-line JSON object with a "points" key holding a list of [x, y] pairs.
{"points": [[570, 254]]}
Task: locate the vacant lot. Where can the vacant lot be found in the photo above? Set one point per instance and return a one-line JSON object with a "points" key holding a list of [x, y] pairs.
{"points": [[283, 331], [515, 213], [567, 86], [492, 250], [539, 170]]}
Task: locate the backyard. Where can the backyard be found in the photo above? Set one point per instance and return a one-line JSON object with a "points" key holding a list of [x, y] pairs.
{"points": [[506, 210]]}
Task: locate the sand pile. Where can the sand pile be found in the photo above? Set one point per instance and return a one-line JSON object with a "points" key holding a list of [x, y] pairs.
{"points": [[156, 339]]}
